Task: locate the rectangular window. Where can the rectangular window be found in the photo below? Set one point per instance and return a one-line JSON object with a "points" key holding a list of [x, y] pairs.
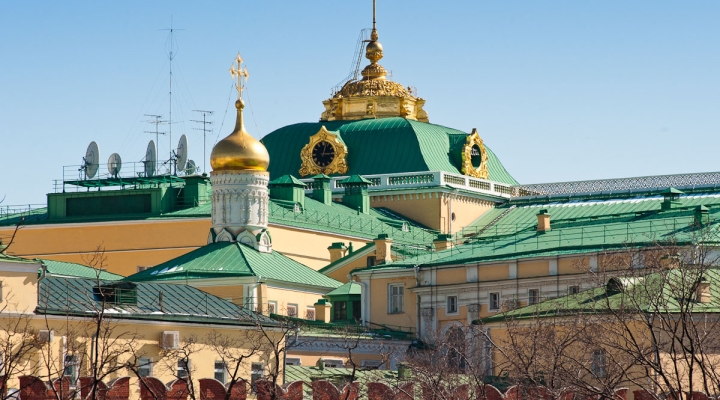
{"points": [[334, 363], [452, 305], [221, 371], [372, 364], [144, 367], [257, 370], [533, 296], [292, 361], [357, 310], [272, 307], [339, 310], [310, 313], [370, 261], [494, 301], [598, 364], [71, 368], [573, 289], [292, 310], [396, 293], [183, 368]]}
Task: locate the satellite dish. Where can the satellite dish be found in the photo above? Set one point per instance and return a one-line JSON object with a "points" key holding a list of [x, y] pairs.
{"points": [[150, 159], [91, 161], [114, 164], [182, 151], [191, 167]]}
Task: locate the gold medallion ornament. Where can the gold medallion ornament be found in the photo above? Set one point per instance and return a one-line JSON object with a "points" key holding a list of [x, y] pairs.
{"points": [[474, 157], [324, 154]]}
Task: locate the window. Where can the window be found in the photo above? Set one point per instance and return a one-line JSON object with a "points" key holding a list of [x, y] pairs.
{"points": [[372, 364], [272, 307], [310, 313], [598, 364], [533, 296], [221, 371], [71, 368], [452, 305], [144, 367], [494, 301], [334, 363], [257, 370], [357, 310], [183, 368], [339, 310], [292, 361], [292, 310], [573, 289], [396, 293], [370, 261], [1, 291]]}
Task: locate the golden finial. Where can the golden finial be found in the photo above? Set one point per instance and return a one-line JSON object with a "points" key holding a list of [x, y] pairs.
{"points": [[374, 50], [239, 151]]}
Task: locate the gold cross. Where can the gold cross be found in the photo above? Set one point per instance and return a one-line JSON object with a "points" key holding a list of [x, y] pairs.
{"points": [[239, 73]]}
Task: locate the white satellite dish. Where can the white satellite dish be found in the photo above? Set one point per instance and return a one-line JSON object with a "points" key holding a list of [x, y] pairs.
{"points": [[182, 152], [114, 164], [190, 168], [91, 161], [150, 159]]}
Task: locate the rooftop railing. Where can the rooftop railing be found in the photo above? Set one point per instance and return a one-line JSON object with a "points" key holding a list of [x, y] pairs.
{"points": [[10, 214]]}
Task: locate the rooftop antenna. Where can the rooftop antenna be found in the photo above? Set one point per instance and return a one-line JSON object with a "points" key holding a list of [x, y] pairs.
{"points": [[171, 47], [157, 134], [205, 131], [91, 161]]}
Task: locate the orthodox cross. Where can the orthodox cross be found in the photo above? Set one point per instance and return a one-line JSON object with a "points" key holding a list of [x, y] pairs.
{"points": [[239, 73]]}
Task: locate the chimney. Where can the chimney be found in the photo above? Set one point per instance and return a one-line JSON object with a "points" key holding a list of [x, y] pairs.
{"points": [[383, 251], [337, 251], [443, 242], [702, 215], [702, 292], [543, 221], [322, 311], [671, 199], [321, 188], [288, 188], [356, 193]]}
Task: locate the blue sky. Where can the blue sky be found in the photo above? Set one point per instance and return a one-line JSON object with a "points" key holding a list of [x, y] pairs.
{"points": [[560, 90]]}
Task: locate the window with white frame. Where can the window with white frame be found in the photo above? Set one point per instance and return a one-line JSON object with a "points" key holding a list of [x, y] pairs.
{"points": [[533, 296], [257, 371], [372, 364], [396, 294], [183, 368], [310, 313], [487, 354], [272, 307], [292, 310], [72, 367], [598, 363], [292, 361], [144, 367], [221, 371], [494, 301], [574, 289], [452, 305], [334, 363]]}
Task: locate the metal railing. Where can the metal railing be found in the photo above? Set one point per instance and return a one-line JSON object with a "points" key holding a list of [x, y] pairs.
{"points": [[14, 213]]}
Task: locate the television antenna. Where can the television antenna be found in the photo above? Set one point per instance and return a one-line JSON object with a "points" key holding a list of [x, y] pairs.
{"points": [[157, 132], [205, 131], [171, 47], [114, 164], [150, 160], [181, 155], [91, 161]]}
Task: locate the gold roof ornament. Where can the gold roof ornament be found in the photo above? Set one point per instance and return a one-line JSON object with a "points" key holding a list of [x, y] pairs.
{"points": [[373, 96], [239, 150]]}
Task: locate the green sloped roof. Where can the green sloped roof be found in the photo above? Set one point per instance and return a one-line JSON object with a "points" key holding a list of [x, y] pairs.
{"points": [[8, 258], [350, 288], [287, 180], [655, 292], [380, 146], [68, 269], [181, 303], [577, 227], [225, 259]]}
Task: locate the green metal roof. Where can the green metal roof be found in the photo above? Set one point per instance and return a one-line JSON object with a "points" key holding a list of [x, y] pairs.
{"points": [[67, 269], [154, 301], [287, 180], [348, 289], [225, 259], [655, 292], [8, 258], [355, 179], [577, 227], [308, 374], [380, 146]]}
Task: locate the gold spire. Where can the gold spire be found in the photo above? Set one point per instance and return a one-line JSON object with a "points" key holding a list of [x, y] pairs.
{"points": [[239, 151]]}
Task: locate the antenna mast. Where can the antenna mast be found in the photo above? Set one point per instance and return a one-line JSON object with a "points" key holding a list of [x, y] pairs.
{"points": [[157, 134], [171, 46], [205, 131]]}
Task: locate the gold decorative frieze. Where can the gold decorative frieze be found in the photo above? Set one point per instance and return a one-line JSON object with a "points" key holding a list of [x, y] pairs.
{"points": [[474, 157], [325, 154]]}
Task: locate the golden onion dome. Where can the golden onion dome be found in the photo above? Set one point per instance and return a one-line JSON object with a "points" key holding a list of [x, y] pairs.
{"points": [[239, 151]]}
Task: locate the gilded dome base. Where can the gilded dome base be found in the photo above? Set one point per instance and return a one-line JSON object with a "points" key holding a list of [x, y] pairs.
{"points": [[370, 107]]}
